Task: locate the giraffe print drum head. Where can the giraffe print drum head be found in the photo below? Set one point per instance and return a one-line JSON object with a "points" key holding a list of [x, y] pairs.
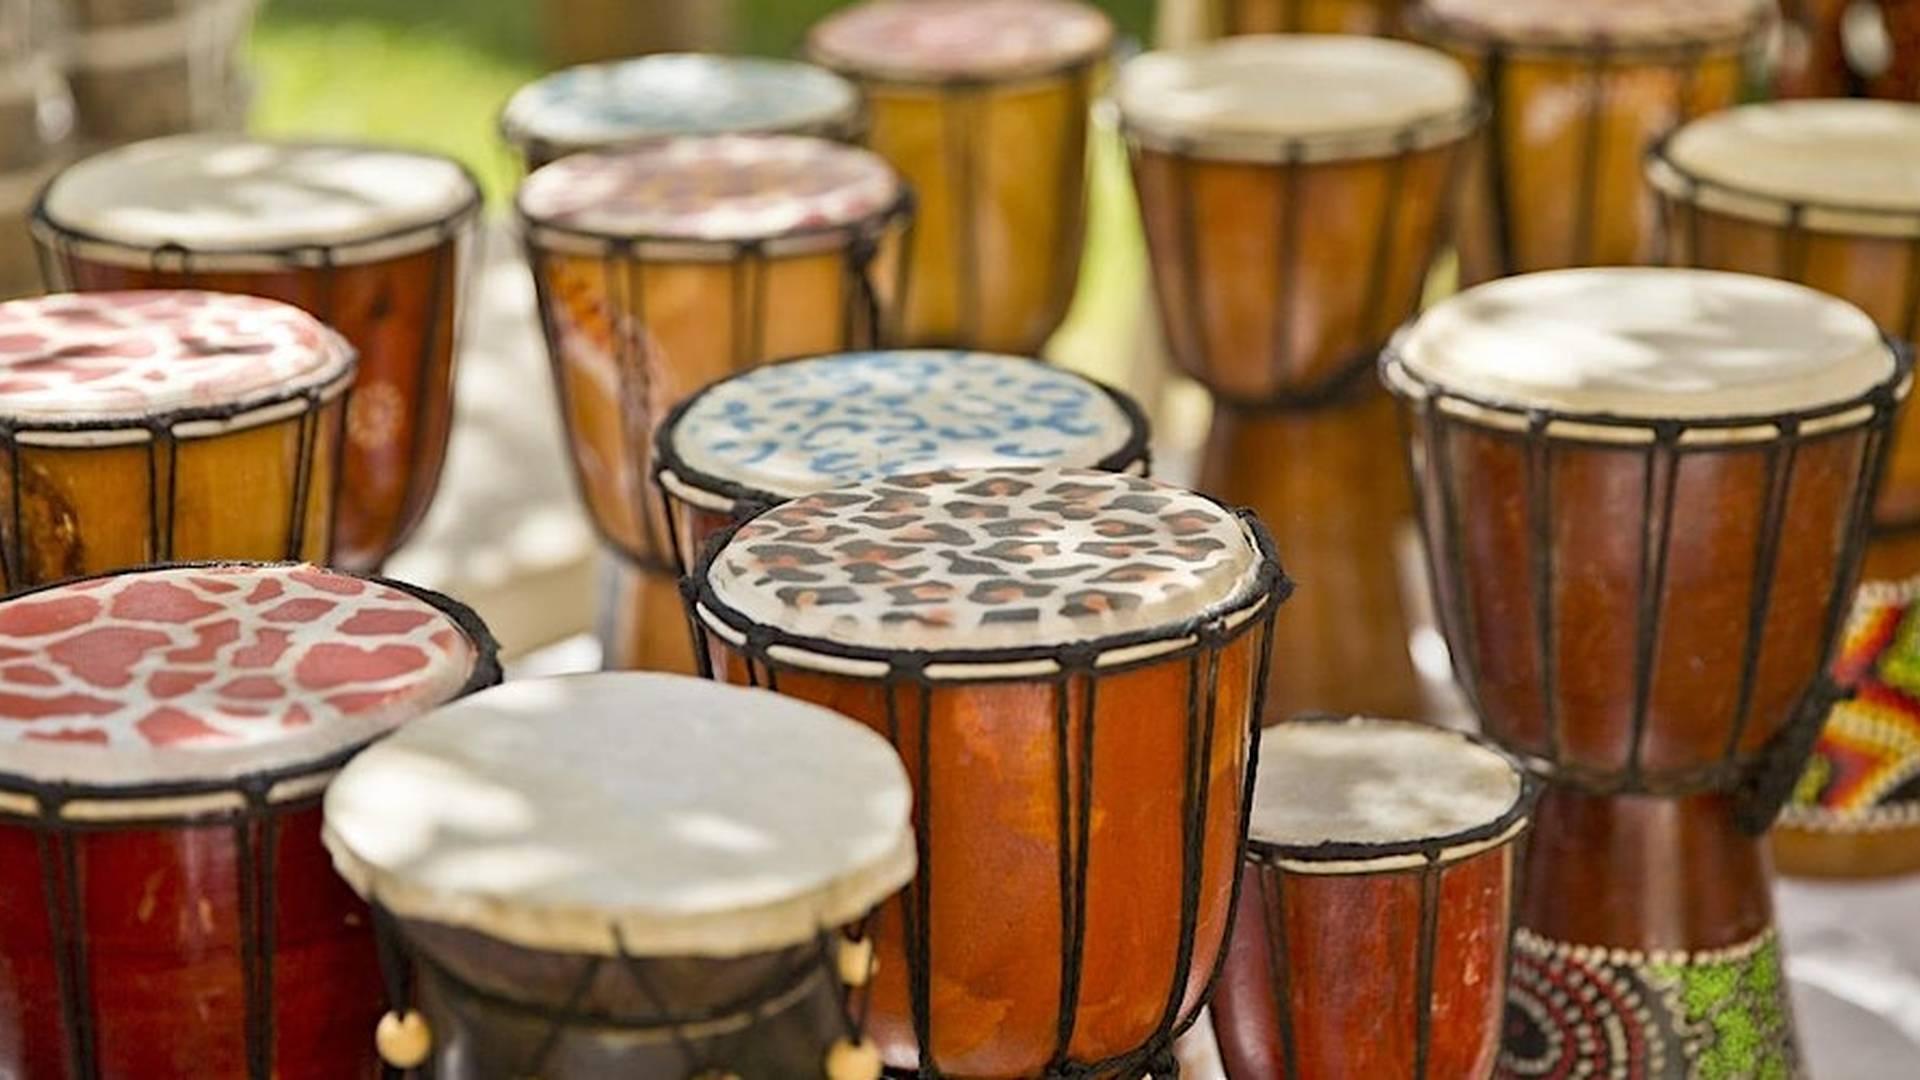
{"points": [[208, 673]]}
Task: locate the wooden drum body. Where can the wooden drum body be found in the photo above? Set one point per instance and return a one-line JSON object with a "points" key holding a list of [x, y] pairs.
{"points": [[148, 426], [983, 106], [1079, 809], [1373, 17], [170, 909], [373, 242], [1576, 93]]}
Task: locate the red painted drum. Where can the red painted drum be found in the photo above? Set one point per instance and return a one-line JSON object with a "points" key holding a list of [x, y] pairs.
{"points": [[370, 240], [1371, 936], [1645, 495], [139, 427], [1071, 663], [628, 874], [170, 911]]}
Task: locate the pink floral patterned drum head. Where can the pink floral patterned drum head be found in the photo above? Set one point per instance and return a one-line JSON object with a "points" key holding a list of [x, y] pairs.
{"points": [[1635, 22], [211, 672], [75, 357], [931, 39]]}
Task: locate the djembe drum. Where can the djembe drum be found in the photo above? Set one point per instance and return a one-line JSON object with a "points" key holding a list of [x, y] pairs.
{"points": [[1375, 17], [370, 240], [1645, 494], [168, 731], [983, 106], [140, 427], [1071, 664], [664, 267], [1293, 192], [1371, 937], [627, 874], [626, 102], [1810, 59], [1576, 93]]}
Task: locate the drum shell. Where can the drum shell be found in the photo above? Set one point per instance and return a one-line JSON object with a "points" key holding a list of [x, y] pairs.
{"points": [[647, 628], [1345, 246], [1378, 18], [261, 491], [179, 70], [991, 827], [1351, 953], [163, 911], [400, 313]]}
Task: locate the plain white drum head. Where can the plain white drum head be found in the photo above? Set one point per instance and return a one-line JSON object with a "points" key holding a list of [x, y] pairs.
{"points": [[667, 815], [1376, 783], [790, 429], [1831, 155], [1667, 23], [1646, 343], [1360, 93], [931, 40], [232, 194]]}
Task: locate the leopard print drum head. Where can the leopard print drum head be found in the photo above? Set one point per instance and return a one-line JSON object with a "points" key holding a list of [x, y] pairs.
{"points": [[213, 673], [627, 812], [961, 562], [933, 40], [94, 358], [791, 429]]}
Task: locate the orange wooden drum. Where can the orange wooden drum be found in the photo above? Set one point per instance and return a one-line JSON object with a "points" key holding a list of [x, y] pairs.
{"points": [[1070, 663], [1375, 17], [662, 268], [983, 106], [139, 427], [370, 240], [1577, 90]]}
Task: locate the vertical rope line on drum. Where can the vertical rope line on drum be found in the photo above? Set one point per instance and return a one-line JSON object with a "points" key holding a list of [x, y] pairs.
{"points": [[1498, 182], [302, 477], [13, 553], [696, 1061], [1271, 882], [247, 855], [331, 524], [556, 1024], [1781, 458], [1910, 296], [1287, 217], [1457, 616], [1076, 806], [1187, 244], [1874, 458], [1540, 572], [164, 551], [921, 989], [59, 874], [1592, 150], [1199, 774], [258, 921], [1383, 245], [1423, 965], [1656, 526]]}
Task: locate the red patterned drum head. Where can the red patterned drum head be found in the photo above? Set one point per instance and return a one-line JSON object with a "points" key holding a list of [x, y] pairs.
{"points": [[931, 39]]}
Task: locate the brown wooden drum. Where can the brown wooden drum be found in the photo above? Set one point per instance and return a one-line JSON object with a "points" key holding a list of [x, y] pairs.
{"points": [[1810, 60], [665, 267], [139, 427], [1374, 17], [370, 240], [1577, 90], [170, 912], [1070, 663], [646, 98], [983, 106], [627, 874], [1371, 937]]}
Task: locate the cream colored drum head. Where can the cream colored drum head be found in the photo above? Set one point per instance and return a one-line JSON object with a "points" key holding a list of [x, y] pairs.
{"points": [[662, 815], [1329, 95], [1647, 344], [1598, 24], [1851, 166]]}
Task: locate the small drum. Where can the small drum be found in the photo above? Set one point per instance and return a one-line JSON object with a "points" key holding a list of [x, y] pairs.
{"points": [[1826, 193], [983, 105], [168, 731], [145, 68], [626, 102], [140, 427], [1856, 810], [1371, 935], [1071, 663], [1373, 17], [665, 267], [370, 240], [627, 874], [1577, 91]]}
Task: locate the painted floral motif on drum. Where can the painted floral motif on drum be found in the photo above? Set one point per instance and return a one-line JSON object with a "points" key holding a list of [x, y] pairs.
{"points": [[216, 656], [1866, 763], [1612, 1014], [794, 428]]}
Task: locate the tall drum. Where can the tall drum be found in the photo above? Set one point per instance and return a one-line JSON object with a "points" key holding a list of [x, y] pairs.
{"points": [[983, 106], [1374, 17], [665, 267], [140, 427], [370, 240], [627, 874], [1371, 938], [747, 443], [626, 102], [167, 734], [1645, 498], [1576, 92], [1071, 664], [1293, 190]]}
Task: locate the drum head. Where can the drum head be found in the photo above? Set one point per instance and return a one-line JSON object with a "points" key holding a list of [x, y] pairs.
{"points": [[646, 813], [936, 40], [794, 428], [208, 674], [1594, 27], [119, 358]]}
